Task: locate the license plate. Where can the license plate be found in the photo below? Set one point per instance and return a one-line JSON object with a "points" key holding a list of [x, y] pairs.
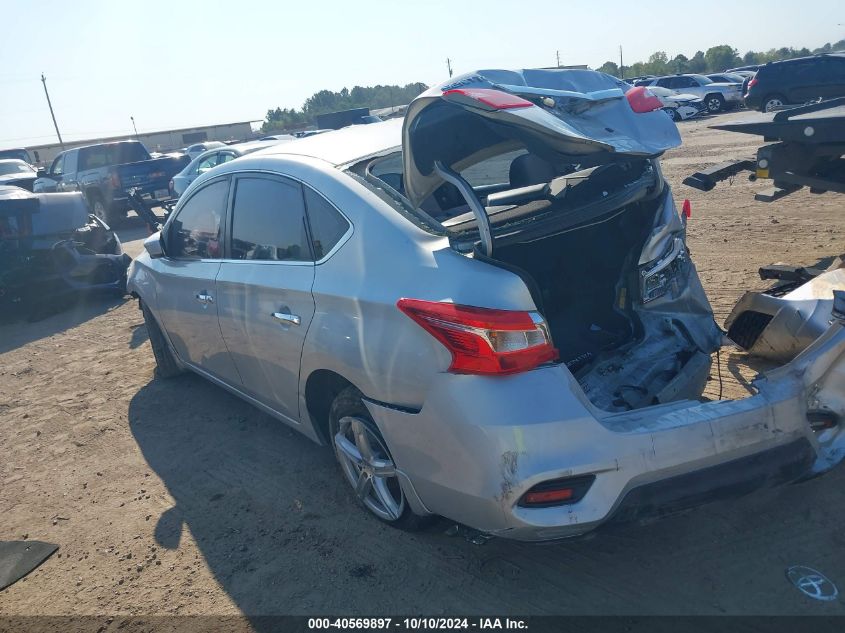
{"points": [[161, 194]]}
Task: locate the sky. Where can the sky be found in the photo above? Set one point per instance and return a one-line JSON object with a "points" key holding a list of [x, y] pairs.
{"points": [[182, 63]]}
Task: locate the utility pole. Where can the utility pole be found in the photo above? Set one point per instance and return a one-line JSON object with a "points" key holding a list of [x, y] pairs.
{"points": [[621, 67], [558, 58], [133, 126], [52, 114], [449, 66]]}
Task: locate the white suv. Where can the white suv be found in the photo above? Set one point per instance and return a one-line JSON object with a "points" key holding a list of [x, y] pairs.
{"points": [[717, 96]]}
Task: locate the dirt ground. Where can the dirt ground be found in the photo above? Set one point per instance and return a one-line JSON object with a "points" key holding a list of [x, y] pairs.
{"points": [[174, 497]]}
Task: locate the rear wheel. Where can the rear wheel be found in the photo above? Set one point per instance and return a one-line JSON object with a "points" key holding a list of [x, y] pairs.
{"points": [[715, 103], [773, 101], [366, 462], [166, 365], [98, 207], [673, 112]]}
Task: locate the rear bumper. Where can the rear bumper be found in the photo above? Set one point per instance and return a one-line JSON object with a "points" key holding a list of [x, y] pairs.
{"points": [[732, 479], [478, 444]]}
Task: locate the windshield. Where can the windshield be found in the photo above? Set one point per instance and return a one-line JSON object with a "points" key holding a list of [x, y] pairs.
{"points": [[702, 79], [8, 167]]}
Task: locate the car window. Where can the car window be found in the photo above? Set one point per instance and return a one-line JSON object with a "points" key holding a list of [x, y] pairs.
{"points": [[327, 224], [225, 157], [493, 171], [195, 232], [56, 168], [665, 82], [268, 221], [207, 163], [69, 166], [93, 158]]}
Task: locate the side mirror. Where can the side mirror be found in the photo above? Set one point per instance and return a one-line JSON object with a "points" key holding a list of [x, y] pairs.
{"points": [[154, 245]]}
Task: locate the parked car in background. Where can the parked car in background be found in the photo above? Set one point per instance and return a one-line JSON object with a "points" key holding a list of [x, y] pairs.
{"points": [[106, 171], [726, 78], [679, 106], [797, 81], [17, 173], [17, 153], [717, 96], [753, 68], [210, 159], [488, 310], [278, 137], [198, 148]]}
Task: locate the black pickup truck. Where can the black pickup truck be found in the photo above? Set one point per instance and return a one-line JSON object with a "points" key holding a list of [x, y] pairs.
{"points": [[106, 172]]}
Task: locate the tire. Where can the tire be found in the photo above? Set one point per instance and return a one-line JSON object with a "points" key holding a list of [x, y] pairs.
{"points": [[380, 494], [773, 101], [166, 365], [715, 103], [98, 207], [674, 114]]}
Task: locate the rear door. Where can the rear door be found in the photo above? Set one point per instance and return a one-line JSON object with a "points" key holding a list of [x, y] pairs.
{"points": [[264, 288], [185, 280]]}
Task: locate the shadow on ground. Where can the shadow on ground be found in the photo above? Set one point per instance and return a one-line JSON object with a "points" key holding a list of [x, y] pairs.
{"points": [[281, 534], [22, 324]]}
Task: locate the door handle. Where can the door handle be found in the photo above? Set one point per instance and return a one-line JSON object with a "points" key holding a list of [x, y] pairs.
{"points": [[205, 298], [283, 317]]}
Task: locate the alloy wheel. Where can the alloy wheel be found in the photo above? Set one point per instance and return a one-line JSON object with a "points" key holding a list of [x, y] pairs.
{"points": [[714, 104], [369, 468], [771, 104], [100, 210]]}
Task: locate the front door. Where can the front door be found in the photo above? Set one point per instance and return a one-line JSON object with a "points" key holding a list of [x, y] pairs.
{"points": [[185, 281], [264, 288]]}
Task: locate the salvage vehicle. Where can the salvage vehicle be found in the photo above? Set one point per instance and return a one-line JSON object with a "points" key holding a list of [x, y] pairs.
{"points": [[17, 173], [106, 171], [488, 310], [802, 148], [717, 96], [52, 247], [678, 106]]}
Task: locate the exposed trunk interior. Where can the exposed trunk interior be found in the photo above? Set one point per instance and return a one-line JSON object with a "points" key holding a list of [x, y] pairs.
{"points": [[587, 279]]}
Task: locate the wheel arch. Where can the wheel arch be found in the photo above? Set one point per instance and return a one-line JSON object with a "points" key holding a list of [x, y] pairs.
{"points": [[321, 388]]}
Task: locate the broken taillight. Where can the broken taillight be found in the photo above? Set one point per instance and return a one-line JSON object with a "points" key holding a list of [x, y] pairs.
{"points": [[484, 340], [493, 99], [641, 100]]}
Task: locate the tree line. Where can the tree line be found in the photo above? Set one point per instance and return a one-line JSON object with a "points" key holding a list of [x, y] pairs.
{"points": [[372, 97], [715, 59]]}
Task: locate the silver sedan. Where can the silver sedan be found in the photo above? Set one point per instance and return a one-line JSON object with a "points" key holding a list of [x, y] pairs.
{"points": [[488, 311]]}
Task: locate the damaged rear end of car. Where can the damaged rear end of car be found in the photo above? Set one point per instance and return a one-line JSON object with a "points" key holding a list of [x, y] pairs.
{"points": [[587, 406]]}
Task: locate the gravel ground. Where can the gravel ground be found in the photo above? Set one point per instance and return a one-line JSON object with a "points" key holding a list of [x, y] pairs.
{"points": [[174, 497]]}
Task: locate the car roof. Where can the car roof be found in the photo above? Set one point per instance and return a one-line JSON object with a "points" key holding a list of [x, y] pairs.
{"points": [[344, 146]]}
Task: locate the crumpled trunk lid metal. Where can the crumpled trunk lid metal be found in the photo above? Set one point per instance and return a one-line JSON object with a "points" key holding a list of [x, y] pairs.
{"points": [[580, 114]]}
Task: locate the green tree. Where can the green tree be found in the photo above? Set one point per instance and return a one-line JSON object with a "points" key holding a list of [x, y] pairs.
{"points": [[718, 58], [610, 68], [680, 64], [657, 63], [697, 63]]}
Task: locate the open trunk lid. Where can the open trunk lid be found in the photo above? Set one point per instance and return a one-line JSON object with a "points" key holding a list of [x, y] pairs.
{"points": [[555, 114]]}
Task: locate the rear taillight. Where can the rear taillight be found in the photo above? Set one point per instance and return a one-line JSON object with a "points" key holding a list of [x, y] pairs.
{"points": [[557, 492], [170, 186], [752, 83], [487, 98], [115, 180], [483, 340], [641, 99]]}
